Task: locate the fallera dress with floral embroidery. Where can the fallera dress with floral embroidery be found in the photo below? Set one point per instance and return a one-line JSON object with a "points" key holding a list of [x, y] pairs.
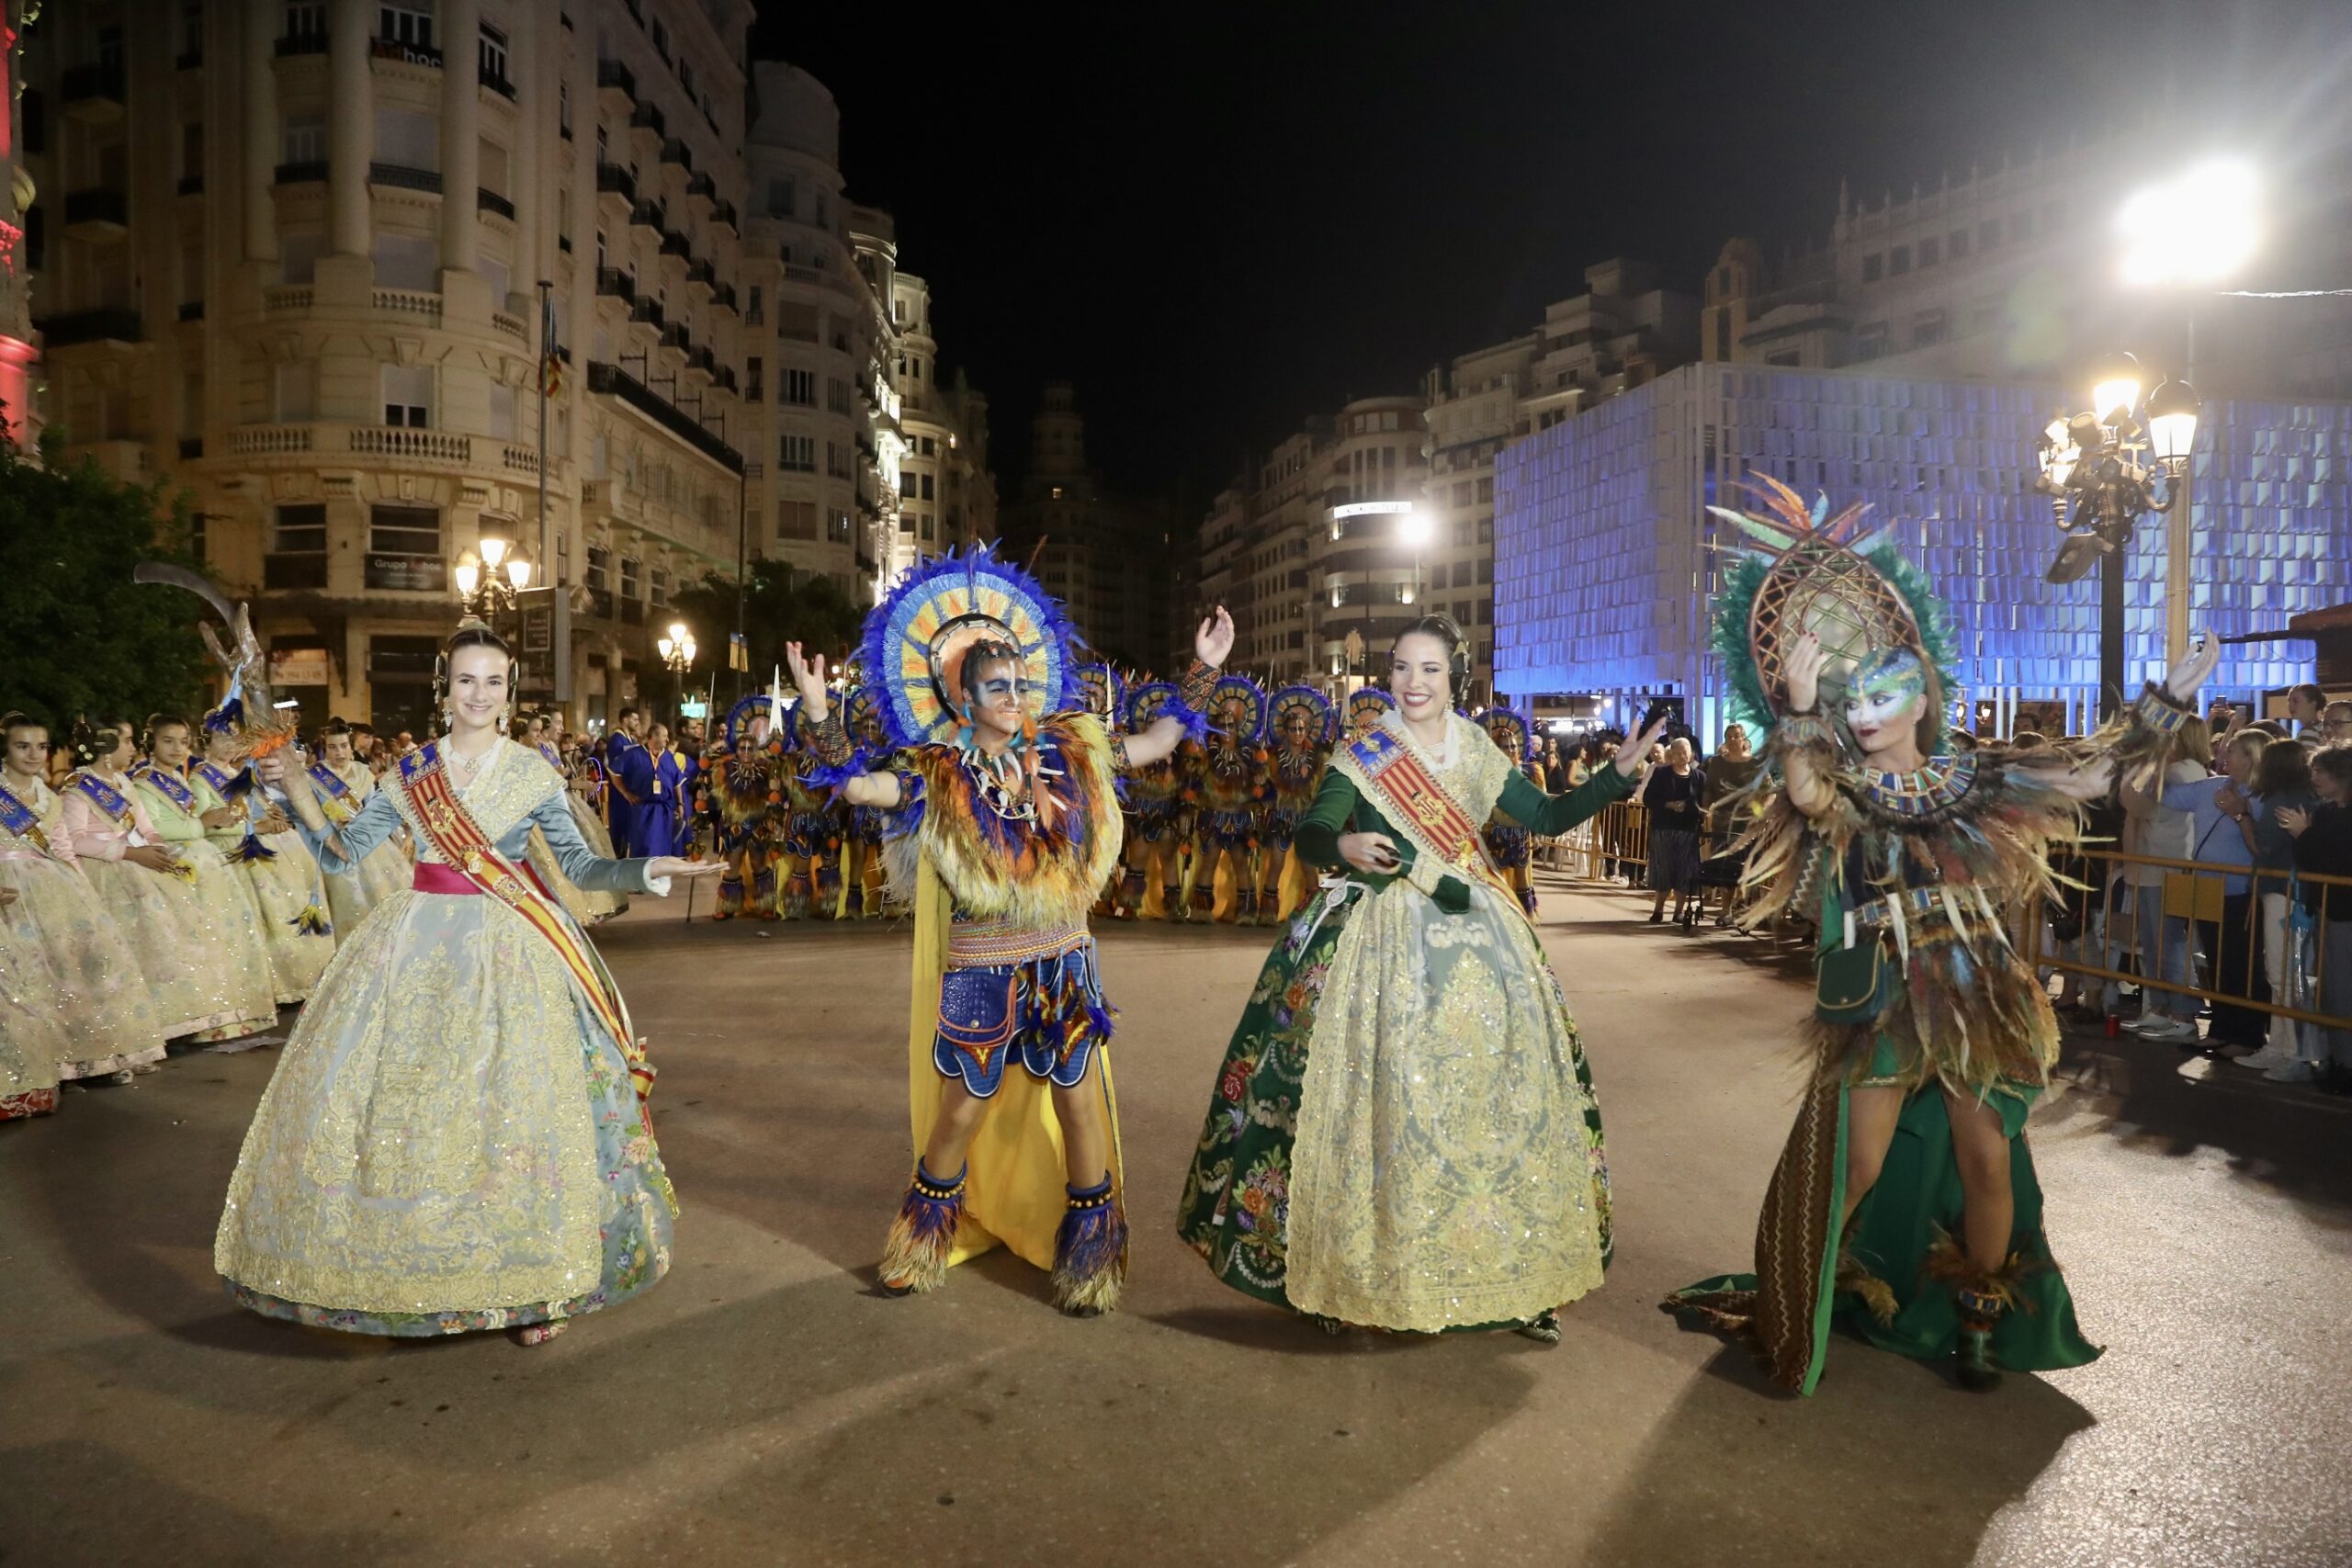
{"points": [[451, 1140], [1403, 1133]]}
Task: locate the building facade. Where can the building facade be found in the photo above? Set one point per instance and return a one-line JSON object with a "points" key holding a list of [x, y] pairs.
{"points": [[18, 358], [297, 263], [1606, 559], [1110, 558]]}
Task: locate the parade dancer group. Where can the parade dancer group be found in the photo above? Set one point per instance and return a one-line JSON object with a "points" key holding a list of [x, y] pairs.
{"points": [[1403, 1135]]}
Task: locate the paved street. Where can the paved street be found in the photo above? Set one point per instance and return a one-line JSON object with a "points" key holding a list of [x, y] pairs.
{"points": [[763, 1405]]}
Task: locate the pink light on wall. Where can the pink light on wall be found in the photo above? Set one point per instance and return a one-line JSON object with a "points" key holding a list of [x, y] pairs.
{"points": [[17, 360]]}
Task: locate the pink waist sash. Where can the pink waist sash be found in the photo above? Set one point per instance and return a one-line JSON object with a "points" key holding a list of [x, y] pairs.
{"points": [[432, 876]]}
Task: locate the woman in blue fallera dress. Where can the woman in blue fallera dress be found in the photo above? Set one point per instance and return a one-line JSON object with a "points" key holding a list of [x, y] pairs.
{"points": [[455, 1138]]}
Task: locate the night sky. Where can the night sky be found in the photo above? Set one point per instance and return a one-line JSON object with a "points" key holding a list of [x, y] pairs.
{"points": [[1218, 219]]}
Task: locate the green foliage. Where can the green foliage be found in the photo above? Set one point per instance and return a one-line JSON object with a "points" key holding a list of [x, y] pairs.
{"points": [[1732, 604], [84, 639], [780, 606]]}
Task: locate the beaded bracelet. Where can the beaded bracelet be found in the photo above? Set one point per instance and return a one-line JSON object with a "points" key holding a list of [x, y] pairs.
{"points": [[1199, 681], [2159, 709], [829, 739]]}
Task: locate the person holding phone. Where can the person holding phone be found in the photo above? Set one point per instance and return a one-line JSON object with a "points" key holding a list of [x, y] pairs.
{"points": [[1403, 1133]]}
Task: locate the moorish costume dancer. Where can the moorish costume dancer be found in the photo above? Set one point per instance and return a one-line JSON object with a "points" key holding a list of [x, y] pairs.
{"points": [[1404, 1135], [186, 810], [744, 797], [1304, 723], [1154, 805], [1005, 822], [342, 784], [1104, 694], [862, 839], [1904, 1208], [809, 834], [457, 1137], [280, 870], [579, 797], [1366, 708], [75, 1004], [203, 987], [1233, 783], [1508, 840]]}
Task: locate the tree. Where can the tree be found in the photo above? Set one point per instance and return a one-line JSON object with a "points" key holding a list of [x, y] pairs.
{"points": [[780, 605], [85, 639]]}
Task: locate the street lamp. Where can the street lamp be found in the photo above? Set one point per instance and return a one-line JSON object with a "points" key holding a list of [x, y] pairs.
{"points": [[2092, 468], [677, 648], [490, 582]]}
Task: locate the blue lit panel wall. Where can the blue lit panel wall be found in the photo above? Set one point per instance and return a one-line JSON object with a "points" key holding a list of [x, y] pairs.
{"points": [[1603, 562]]}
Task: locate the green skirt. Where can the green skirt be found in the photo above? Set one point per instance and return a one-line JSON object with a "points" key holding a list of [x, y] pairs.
{"points": [[1236, 1207], [1786, 1309]]}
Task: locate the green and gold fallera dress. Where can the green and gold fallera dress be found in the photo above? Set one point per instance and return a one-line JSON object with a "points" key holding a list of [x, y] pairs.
{"points": [[1404, 1135]]}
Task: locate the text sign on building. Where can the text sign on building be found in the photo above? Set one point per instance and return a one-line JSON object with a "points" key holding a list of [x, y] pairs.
{"points": [[297, 667], [1370, 509]]}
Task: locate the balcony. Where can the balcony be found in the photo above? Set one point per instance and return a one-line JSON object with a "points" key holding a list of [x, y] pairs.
{"points": [[702, 273], [96, 214], [402, 178], [702, 362], [612, 179], [633, 611], [614, 77], [302, 43], [191, 449], [676, 151], [294, 571], [311, 171], [191, 185], [648, 117], [93, 93], [500, 85], [613, 381], [614, 283], [392, 49], [112, 325], [724, 297], [490, 201], [724, 212], [674, 336], [646, 313], [703, 186], [648, 215], [674, 245]]}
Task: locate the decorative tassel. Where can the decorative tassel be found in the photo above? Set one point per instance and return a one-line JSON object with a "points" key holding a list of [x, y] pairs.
{"points": [[914, 1257], [1090, 1252], [1876, 1296], [1991, 1292], [313, 921], [251, 849]]}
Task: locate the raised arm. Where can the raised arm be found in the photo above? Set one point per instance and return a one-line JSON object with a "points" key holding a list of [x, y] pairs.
{"points": [[2088, 770], [1549, 814], [1211, 644], [828, 740], [1803, 736]]}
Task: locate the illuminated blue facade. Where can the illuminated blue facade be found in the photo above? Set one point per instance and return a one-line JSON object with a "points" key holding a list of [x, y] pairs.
{"points": [[1605, 556]]}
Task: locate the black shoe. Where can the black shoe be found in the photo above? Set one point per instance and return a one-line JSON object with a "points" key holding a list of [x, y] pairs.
{"points": [[1973, 1364], [1658, 916]]}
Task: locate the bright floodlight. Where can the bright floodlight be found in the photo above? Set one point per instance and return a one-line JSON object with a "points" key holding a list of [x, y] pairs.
{"points": [[1415, 529], [493, 551], [2199, 227]]}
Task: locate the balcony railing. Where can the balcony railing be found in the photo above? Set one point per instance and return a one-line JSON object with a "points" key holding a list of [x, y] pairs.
{"points": [[294, 571], [110, 207], [647, 311], [490, 201], [618, 77], [404, 177], [703, 186], [674, 336], [422, 54], [674, 245], [705, 274], [723, 296], [113, 325], [614, 284], [676, 151], [612, 380], [500, 85], [91, 85], [308, 172], [702, 359], [648, 116], [302, 43], [724, 212], [616, 178], [648, 215]]}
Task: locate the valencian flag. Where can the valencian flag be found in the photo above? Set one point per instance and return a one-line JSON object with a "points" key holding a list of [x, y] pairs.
{"points": [[550, 367]]}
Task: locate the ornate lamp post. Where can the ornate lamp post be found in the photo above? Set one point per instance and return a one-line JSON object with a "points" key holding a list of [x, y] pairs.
{"points": [[2104, 470], [490, 582], [677, 648]]}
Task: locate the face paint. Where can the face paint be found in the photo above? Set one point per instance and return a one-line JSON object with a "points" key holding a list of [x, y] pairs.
{"points": [[1880, 695]]}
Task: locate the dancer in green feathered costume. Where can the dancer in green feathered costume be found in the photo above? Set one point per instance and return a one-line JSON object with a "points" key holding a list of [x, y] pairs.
{"points": [[1904, 1208]]}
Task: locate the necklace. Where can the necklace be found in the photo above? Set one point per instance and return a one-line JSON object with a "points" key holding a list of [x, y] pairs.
{"points": [[469, 766]]}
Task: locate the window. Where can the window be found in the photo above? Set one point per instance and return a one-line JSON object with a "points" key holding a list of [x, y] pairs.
{"points": [[927, 529], [927, 494], [754, 378], [823, 221], [1931, 250], [600, 569], [661, 40], [1487, 490], [301, 530], [490, 56], [906, 522], [798, 322], [1873, 268], [1871, 342], [1956, 244], [838, 529], [192, 150], [782, 200], [836, 395], [837, 461], [796, 519], [408, 395], [797, 454], [192, 29], [799, 387], [405, 260], [501, 412], [1927, 328], [409, 138], [563, 109], [1899, 261], [756, 312], [409, 23], [306, 141], [632, 571], [1988, 234], [660, 580], [403, 531], [687, 75], [294, 393], [1486, 569]]}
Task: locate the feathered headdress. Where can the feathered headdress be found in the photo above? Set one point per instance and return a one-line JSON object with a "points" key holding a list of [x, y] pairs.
{"points": [[1365, 707], [1322, 719], [1820, 573], [1510, 732]]}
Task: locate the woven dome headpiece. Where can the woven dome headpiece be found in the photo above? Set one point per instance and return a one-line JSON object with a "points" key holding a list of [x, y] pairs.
{"points": [[1105, 694], [1510, 730], [1237, 711], [1322, 719], [1818, 573], [1365, 707]]}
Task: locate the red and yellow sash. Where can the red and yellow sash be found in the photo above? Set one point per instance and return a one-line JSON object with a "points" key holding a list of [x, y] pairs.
{"points": [[459, 840], [1417, 807]]}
